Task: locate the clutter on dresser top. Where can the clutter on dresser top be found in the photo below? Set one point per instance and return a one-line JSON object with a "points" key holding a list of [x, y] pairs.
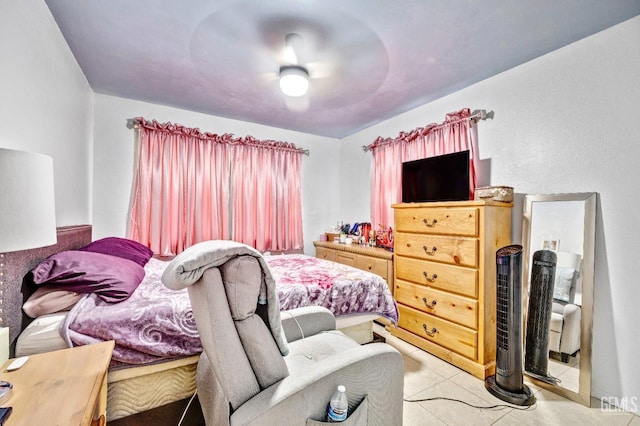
{"points": [[362, 233]]}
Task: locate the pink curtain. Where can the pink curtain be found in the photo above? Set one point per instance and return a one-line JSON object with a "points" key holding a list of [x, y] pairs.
{"points": [[456, 133], [181, 188], [191, 186], [267, 196]]}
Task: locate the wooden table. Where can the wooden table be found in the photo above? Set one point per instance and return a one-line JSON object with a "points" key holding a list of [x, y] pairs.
{"points": [[65, 387]]}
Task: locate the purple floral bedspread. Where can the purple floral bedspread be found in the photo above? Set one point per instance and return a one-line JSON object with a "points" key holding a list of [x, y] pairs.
{"points": [[308, 281], [156, 323]]}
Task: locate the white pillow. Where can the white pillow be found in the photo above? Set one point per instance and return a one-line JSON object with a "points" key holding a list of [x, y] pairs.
{"points": [[42, 335], [565, 280]]}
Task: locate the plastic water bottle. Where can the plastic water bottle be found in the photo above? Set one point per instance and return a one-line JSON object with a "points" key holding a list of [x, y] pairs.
{"points": [[338, 406]]}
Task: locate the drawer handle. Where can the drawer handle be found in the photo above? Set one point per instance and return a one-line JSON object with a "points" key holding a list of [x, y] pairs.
{"points": [[430, 253], [430, 225], [427, 304], [430, 279], [431, 332]]}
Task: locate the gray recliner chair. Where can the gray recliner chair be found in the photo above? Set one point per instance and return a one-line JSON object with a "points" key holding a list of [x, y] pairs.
{"points": [[263, 367]]}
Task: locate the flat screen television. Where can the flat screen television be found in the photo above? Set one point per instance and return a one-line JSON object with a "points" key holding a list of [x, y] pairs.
{"points": [[439, 178]]}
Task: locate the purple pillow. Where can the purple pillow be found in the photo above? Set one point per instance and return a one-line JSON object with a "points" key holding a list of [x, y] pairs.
{"points": [[121, 247], [112, 278]]}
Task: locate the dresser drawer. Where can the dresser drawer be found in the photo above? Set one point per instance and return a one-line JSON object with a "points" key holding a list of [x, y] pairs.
{"points": [[455, 250], [459, 309], [346, 258], [371, 264], [458, 221], [326, 254], [446, 334], [439, 275]]}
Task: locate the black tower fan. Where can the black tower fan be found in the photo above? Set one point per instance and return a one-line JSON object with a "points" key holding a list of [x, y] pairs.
{"points": [[507, 384], [536, 354]]}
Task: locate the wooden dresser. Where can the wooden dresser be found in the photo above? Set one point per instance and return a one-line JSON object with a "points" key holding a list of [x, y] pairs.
{"points": [[372, 259], [445, 278]]}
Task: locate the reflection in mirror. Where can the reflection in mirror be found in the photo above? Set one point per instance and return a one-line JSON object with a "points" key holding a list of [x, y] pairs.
{"points": [[564, 224]]}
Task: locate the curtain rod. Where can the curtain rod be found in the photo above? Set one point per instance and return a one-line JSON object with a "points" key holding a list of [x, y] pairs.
{"points": [[476, 115], [131, 124], [480, 114]]}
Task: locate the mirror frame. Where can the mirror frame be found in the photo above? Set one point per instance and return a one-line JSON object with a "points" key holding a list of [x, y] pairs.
{"points": [[583, 396]]}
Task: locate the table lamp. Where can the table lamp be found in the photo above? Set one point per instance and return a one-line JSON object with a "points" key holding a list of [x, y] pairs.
{"points": [[27, 214]]}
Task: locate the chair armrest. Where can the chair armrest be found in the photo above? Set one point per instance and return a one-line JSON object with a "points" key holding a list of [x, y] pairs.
{"points": [[374, 371], [307, 321], [571, 311], [570, 338]]}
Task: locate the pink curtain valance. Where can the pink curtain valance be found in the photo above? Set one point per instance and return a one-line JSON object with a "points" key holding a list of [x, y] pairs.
{"points": [[452, 118], [225, 138]]}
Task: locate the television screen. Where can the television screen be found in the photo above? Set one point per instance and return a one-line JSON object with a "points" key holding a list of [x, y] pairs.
{"points": [[439, 178]]}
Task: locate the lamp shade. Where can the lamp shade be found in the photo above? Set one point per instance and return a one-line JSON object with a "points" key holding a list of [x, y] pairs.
{"points": [[294, 80], [27, 201]]}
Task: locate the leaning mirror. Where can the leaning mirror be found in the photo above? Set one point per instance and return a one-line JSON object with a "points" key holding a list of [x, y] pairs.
{"points": [[561, 228]]}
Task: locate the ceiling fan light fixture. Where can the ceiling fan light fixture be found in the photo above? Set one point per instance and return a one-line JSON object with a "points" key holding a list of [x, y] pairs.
{"points": [[294, 80]]}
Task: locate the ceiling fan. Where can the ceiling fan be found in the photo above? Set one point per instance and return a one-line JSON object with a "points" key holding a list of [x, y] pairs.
{"points": [[294, 73], [294, 78]]}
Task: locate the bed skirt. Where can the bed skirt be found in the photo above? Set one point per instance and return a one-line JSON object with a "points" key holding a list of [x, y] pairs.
{"points": [[137, 389]]}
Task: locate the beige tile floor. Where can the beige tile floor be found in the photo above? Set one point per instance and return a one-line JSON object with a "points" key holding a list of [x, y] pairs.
{"points": [[427, 376], [568, 373]]}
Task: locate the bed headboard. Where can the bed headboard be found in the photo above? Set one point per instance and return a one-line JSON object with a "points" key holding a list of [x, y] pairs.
{"points": [[15, 266]]}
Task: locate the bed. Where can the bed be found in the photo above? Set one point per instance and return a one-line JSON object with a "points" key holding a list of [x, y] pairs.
{"points": [[145, 373]]}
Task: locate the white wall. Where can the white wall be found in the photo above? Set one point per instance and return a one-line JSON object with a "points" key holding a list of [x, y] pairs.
{"points": [[46, 104], [114, 162], [565, 122]]}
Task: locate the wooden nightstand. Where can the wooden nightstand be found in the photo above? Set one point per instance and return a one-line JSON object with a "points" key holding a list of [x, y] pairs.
{"points": [[66, 387]]}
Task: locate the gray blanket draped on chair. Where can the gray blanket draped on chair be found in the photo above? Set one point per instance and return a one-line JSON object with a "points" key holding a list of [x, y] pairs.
{"points": [[189, 266]]}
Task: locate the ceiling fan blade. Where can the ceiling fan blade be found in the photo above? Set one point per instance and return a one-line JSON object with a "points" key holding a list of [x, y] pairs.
{"points": [[293, 44], [297, 104], [268, 77], [321, 69]]}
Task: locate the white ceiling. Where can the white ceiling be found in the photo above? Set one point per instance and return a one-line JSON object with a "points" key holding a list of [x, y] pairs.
{"points": [[368, 60]]}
